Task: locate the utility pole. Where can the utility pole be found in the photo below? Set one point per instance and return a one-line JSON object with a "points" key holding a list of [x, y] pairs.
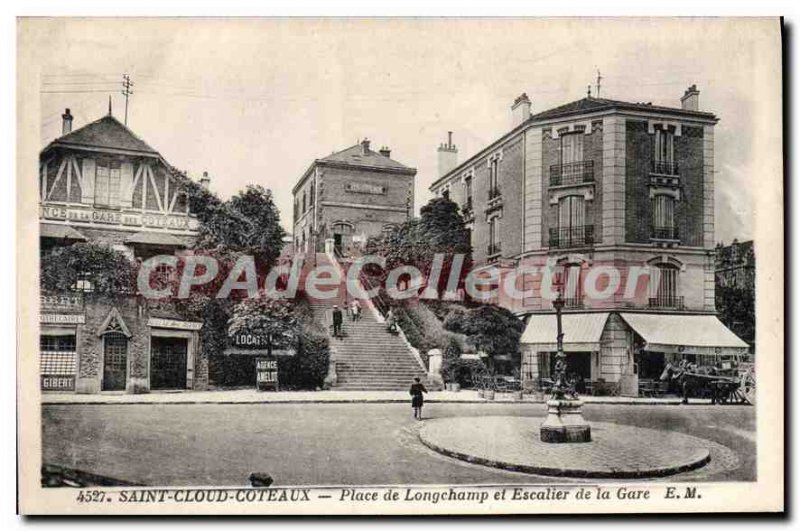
{"points": [[126, 91]]}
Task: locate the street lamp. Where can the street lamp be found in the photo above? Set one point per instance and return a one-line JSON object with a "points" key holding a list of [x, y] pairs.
{"points": [[560, 385], [564, 422]]}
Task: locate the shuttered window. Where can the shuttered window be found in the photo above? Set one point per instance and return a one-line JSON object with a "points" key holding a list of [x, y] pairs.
{"points": [[106, 190], [664, 146], [571, 212], [571, 148]]}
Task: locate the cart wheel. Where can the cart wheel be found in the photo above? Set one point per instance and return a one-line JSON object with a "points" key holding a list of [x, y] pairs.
{"points": [[747, 387]]}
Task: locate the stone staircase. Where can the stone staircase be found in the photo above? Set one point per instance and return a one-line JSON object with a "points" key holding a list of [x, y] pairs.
{"points": [[367, 357]]}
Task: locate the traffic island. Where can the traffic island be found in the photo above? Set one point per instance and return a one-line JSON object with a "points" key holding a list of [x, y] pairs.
{"points": [[615, 450]]}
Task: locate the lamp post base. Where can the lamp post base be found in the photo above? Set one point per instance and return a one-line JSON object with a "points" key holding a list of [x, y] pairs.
{"points": [[565, 423]]}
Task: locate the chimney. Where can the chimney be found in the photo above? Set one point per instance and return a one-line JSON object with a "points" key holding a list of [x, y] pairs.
{"points": [[385, 151], [691, 99], [448, 155], [66, 125], [205, 180], [365, 146], [521, 110]]}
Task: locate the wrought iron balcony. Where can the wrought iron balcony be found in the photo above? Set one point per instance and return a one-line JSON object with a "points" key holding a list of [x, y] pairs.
{"points": [[493, 249], [666, 302], [572, 173], [577, 236], [661, 167], [573, 302], [664, 233]]}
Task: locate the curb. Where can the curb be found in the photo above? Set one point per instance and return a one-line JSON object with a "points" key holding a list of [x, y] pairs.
{"points": [[570, 472], [676, 402]]}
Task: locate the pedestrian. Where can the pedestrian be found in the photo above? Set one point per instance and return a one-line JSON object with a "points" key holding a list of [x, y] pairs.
{"points": [[416, 398], [337, 321], [391, 322], [356, 309]]}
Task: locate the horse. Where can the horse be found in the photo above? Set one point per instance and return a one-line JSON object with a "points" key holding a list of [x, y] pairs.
{"points": [[692, 380]]}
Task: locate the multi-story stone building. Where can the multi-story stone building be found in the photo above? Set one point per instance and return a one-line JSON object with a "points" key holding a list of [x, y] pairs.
{"points": [[350, 195], [103, 184], [593, 186]]}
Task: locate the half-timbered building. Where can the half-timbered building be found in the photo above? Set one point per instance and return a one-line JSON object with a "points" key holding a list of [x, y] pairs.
{"points": [[101, 183]]}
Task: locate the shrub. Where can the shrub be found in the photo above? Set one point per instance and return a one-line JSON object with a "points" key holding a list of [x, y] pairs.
{"points": [[309, 366]]}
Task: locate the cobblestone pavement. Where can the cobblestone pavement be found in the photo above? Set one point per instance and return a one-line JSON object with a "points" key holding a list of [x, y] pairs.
{"points": [[615, 450], [331, 444]]}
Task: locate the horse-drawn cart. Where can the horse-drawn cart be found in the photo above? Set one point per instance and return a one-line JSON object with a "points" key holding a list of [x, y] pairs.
{"points": [[727, 385]]}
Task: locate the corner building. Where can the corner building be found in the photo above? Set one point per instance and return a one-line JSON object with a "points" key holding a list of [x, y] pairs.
{"points": [[600, 182], [103, 184]]}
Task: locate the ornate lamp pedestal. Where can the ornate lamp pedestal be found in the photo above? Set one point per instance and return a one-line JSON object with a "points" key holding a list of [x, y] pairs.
{"points": [[564, 422]]}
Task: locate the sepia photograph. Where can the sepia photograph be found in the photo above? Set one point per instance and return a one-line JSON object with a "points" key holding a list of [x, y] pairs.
{"points": [[400, 266]]}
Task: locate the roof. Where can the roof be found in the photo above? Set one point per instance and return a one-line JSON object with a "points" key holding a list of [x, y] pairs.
{"points": [[105, 133], [694, 333], [576, 108], [354, 156], [582, 331], [155, 238], [588, 104], [49, 230]]}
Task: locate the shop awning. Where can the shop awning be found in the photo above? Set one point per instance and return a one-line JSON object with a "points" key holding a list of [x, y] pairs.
{"points": [[582, 331], [155, 238], [687, 334], [62, 232]]}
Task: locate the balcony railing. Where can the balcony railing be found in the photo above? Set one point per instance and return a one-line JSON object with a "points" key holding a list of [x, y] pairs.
{"points": [[572, 173], [493, 249], [664, 233], [666, 301], [572, 236], [573, 302], [664, 168]]}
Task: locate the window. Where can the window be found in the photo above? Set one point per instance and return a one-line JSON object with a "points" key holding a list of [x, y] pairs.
{"points": [[571, 230], [571, 277], [571, 148], [664, 287], [304, 202], [57, 355], [106, 188], [664, 217], [494, 169], [311, 196], [494, 236], [468, 193], [664, 156]]}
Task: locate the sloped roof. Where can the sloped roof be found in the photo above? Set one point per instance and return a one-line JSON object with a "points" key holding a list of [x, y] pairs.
{"points": [[105, 133], [155, 238], [354, 156], [596, 104]]}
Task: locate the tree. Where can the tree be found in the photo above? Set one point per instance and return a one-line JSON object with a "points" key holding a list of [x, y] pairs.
{"points": [[272, 318], [89, 266], [493, 330], [736, 307], [442, 227]]}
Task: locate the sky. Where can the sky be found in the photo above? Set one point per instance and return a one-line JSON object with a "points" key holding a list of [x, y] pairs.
{"points": [[256, 101]]}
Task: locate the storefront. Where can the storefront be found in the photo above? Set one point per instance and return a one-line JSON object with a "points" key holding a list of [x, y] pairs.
{"points": [[616, 352], [59, 320]]}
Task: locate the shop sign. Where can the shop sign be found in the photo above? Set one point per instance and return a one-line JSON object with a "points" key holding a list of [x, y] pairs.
{"points": [[59, 382], [61, 302], [62, 318], [267, 373], [117, 217], [156, 322], [365, 188]]}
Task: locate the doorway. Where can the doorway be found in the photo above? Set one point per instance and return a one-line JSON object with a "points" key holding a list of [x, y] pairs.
{"points": [[115, 361], [168, 362]]}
